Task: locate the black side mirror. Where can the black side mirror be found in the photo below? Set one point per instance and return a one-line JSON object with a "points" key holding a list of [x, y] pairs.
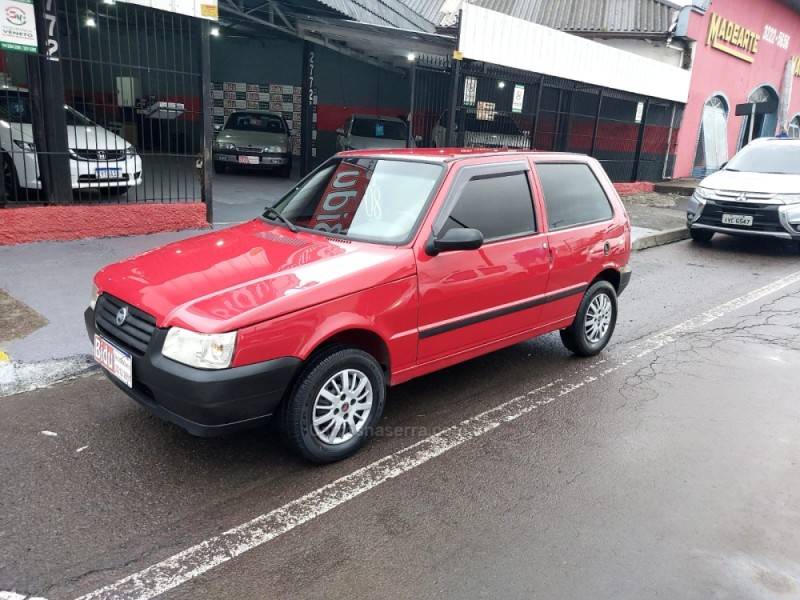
{"points": [[459, 238]]}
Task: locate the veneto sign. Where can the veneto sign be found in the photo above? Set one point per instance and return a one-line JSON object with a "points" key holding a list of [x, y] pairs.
{"points": [[734, 39]]}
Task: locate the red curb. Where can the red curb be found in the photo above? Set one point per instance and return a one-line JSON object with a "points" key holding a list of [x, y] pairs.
{"points": [[51, 223], [638, 187]]}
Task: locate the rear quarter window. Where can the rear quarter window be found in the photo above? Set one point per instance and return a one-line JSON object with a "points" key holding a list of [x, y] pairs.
{"points": [[572, 195]]}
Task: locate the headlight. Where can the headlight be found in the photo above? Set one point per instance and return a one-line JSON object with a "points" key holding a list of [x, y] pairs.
{"points": [[93, 297], [225, 146], [202, 350], [702, 193], [790, 198], [275, 149], [130, 151], [25, 146]]}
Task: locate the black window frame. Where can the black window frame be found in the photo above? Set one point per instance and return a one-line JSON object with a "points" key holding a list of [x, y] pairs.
{"points": [[536, 164], [470, 173]]}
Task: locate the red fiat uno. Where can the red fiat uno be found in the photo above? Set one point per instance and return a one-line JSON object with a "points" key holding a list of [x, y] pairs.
{"points": [[378, 267]]}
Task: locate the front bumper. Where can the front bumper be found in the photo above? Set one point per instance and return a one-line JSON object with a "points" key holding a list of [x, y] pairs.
{"points": [[203, 402], [769, 220], [84, 174], [264, 160]]}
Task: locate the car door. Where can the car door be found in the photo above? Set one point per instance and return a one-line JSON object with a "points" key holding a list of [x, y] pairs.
{"points": [[581, 227], [469, 298]]}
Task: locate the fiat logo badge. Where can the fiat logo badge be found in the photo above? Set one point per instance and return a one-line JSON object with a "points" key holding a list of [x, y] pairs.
{"points": [[122, 314]]}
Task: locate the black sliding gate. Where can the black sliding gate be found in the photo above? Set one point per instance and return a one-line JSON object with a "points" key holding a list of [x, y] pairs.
{"points": [[632, 136], [109, 109]]}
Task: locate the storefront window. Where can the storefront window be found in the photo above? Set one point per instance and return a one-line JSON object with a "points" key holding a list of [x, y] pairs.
{"points": [[712, 147], [763, 125], [794, 128]]}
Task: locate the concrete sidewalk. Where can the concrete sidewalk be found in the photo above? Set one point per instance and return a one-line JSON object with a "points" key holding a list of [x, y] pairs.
{"points": [[52, 281]]}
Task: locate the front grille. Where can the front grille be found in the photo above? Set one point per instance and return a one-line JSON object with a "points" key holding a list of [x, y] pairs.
{"points": [[134, 334], [249, 149], [98, 155], [95, 178], [765, 217]]}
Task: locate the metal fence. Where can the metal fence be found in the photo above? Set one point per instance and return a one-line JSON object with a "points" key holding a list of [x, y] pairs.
{"points": [[109, 110], [632, 136]]}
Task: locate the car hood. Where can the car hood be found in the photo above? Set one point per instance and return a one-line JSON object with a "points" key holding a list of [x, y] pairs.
{"points": [[81, 138], [742, 181], [356, 142], [229, 279], [251, 138]]}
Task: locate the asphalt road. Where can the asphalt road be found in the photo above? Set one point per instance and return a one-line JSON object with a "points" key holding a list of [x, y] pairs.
{"points": [[665, 468]]}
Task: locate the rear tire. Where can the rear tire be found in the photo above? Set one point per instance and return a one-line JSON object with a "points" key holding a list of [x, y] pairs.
{"points": [[334, 405], [594, 322], [701, 235]]}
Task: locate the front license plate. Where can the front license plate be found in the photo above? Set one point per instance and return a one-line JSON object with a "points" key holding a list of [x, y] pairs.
{"points": [[249, 160], [117, 362], [745, 220], [107, 173]]}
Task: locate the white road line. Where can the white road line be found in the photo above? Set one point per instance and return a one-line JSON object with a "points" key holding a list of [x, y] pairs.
{"points": [[11, 596], [192, 562]]}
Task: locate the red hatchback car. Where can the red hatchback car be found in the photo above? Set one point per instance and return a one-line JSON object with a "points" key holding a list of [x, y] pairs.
{"points": [[378, 267]]}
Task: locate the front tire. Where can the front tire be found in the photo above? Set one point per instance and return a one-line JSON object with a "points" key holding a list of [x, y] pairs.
{"points": [[594, 322], [220, 167], [334, 405], [701, 235]]}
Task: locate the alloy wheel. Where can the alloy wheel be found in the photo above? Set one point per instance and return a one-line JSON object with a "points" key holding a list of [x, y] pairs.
{"points": [[342, 407], [598, 318]]}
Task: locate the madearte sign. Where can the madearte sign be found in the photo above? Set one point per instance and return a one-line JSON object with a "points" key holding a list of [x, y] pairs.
{"points": [[732, 38]]}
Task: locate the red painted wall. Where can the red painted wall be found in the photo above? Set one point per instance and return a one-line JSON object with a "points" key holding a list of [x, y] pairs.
{"points": [[48, 223], [715, 71]]}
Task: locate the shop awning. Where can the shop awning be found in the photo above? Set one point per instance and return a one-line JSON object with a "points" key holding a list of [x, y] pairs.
{"points": [[497, 38]]}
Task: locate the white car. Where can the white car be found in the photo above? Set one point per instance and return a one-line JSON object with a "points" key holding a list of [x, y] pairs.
{"points": [[493, 130], [756, 193], [98, 158], [372, 132]]}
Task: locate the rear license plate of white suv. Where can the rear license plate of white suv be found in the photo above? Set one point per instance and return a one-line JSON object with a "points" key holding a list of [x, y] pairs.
{"points": [[746, 220]]}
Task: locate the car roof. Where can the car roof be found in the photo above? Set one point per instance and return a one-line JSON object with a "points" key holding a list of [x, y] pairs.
{"points": [[377, 117], [257, 112], [455, 154], [776, 140]]}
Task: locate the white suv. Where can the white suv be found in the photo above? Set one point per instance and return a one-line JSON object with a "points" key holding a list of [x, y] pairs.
{"points": [[756, 193], [98, 158]]}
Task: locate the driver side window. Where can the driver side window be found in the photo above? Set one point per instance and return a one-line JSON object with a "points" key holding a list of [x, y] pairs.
{"points": [[499, 206]]}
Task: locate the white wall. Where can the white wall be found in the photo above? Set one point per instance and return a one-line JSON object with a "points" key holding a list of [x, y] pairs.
{"points": [[493, 37], [652, 49]]}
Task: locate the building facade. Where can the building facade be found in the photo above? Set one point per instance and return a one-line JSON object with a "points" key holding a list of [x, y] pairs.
{"points": [[745, 52]]}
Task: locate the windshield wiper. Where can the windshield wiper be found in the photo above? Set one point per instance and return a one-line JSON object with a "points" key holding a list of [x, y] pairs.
{"points": [[271, 211]]}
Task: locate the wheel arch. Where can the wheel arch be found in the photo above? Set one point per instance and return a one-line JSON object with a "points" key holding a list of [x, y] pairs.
{"points": [[611, 275], [361, 338]]}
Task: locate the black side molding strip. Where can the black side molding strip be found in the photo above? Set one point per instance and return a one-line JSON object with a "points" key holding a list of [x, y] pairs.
{"points": [[501, 312]]}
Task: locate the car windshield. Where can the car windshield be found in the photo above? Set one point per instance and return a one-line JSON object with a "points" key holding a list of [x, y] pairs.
{"points": [[494, 123], [375, 200], [15, 107], [780, 158], [243, 121], [377, 128]]}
